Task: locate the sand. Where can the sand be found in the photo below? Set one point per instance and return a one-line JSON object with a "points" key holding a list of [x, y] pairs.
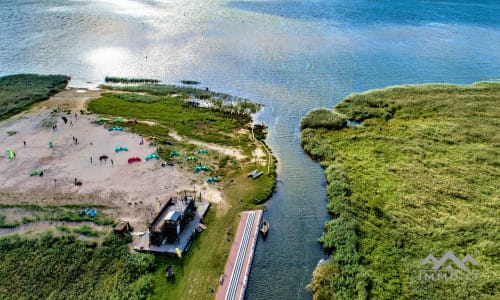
{"points": [[131, 189]]}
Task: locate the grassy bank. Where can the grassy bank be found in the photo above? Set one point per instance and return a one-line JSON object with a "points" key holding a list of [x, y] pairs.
{"points": [[19, 92], [420, 176]]}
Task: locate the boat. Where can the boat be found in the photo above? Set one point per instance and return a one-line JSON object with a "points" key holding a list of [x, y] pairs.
{"points": [[264, 228]]}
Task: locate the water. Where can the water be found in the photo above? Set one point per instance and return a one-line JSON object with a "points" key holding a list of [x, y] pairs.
{"points": [[290, 55]]}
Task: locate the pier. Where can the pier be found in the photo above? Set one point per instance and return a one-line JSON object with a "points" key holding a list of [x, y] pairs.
{"points": [[232, 284]]}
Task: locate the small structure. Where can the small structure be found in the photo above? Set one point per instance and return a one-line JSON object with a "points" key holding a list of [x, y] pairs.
{"points": [[255, 174], [171, 220], [122, 227]]}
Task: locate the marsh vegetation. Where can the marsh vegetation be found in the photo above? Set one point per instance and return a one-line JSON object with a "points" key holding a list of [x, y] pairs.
{"points": [[419, 176]]}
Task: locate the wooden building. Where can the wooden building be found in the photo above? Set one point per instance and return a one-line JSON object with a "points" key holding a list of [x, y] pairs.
{"points": [[172, 219]]}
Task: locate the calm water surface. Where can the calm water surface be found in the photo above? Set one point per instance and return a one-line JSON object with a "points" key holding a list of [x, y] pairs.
{"points": [[289, 55]]}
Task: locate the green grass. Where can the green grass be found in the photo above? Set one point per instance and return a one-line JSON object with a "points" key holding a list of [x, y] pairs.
{"points": [[86, 230], [171, 112], [19, 92], [68, 213], [65, 268], [420, 176]]}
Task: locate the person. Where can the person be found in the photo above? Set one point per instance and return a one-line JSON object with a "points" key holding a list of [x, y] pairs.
{"points": [[111, 162], [24, 142], [91, 160]]}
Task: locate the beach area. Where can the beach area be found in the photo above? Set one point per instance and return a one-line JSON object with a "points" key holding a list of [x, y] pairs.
{"points": [[129, 191]]}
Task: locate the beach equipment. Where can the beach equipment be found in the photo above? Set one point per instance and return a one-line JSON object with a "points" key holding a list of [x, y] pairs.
{"points": [[211, 179], [11, 154], [201, 168], [120, 148], [202, 151], [148, 138], [89, 212], [51, 144], [134, 159], [115, 129], [174, 153], [117, 120], [151, 156], [191, 158], [36, 173]]}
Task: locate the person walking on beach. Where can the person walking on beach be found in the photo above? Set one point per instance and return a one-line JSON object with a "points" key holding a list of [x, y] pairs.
{"points": [[111, 162], [91, 160]]}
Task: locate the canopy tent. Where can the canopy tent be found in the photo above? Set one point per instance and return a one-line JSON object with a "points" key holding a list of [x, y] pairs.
{"points": [[192, 158], [115, 129], [202, 151], [120, 148]]}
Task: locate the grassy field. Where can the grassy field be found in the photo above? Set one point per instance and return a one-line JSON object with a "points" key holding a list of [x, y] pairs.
{"points": [[18, 92], [61, 266], [419, 176]]}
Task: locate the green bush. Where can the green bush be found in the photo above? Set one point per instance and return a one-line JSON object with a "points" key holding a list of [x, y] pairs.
{"points": [[323, 118]]}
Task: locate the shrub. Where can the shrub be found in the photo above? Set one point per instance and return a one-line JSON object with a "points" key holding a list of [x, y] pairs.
{"points": [[323, 118]]}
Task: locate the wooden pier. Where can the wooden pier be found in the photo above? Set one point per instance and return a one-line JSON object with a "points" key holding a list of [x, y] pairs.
{"points": [[232, 284]]}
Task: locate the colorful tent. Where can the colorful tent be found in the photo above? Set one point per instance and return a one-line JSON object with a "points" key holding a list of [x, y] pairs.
{"points": [[120, 148], [148, 138], [117, 120], [51, 144], [115, 129], [202, 151], [192, 158]]}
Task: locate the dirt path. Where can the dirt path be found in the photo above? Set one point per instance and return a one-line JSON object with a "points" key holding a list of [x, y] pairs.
{"points": [[225, 150]]}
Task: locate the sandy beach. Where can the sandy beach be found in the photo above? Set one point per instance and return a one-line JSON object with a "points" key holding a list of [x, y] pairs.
{"points": [[131, 190]]}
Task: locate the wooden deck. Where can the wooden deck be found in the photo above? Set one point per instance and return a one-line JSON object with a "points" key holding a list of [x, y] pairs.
{"points": [[234, 280]]}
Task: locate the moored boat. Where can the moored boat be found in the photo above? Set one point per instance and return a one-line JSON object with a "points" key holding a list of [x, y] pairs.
{"points": [[264, 228]]}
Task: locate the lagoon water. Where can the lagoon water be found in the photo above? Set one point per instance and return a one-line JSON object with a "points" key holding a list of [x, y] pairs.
{"points": [[291, 56]]}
